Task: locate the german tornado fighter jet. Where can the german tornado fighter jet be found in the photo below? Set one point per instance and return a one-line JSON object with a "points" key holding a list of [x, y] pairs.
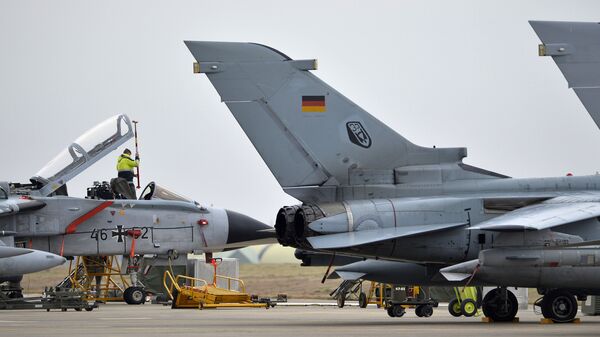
{"points": [[368, 192], [40, 216]]}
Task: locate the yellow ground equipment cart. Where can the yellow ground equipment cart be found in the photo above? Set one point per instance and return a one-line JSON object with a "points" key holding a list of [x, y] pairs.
{"points": [[466, 303], [190, 292]]}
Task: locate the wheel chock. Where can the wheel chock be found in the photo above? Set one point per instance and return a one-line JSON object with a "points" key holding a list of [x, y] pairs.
{"points": [[489, 320], [549, 321]]}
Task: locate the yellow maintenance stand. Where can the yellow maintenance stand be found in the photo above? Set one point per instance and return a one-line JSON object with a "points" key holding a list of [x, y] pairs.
{"points": [[99, 277], [190, 292]]}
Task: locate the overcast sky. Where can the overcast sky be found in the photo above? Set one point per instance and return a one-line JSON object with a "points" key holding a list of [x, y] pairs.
{"points": [[445, 73]]}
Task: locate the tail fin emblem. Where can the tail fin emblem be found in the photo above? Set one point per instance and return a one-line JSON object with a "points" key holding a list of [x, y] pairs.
{"points": [[358, 135]]}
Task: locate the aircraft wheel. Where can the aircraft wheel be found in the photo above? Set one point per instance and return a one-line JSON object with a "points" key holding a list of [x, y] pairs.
{"points": [[468, 307], [362, 300], [341, 300], [560, 306], [134, 295], [500, 307], [454, 308]]}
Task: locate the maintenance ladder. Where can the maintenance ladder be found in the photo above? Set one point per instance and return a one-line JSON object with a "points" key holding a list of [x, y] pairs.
{"points": [[99, 277], [190, 292]]}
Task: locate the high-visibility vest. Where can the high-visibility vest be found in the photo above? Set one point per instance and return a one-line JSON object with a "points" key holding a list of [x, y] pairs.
{"points": [[125, 163]]}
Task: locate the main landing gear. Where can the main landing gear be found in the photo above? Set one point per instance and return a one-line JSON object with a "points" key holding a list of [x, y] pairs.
{"points": [[500, 305], [559, 305]]}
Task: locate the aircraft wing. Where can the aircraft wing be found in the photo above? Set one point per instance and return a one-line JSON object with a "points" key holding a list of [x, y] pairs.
{"points": [[13, 206], [357, 238], [551, 213]]}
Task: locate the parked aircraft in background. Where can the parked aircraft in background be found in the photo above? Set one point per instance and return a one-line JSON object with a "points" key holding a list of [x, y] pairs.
{"points": [[368, 192]]}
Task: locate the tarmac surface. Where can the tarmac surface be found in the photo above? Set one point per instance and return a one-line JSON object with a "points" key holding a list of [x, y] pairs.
{"points": [[117, 319]]}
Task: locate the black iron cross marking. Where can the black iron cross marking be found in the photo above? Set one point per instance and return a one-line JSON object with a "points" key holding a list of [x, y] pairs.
{"points": [[119, 233]]}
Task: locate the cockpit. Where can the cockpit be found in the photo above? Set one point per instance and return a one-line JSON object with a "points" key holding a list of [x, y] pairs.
{"points": [[156, 192], [152, 191]]}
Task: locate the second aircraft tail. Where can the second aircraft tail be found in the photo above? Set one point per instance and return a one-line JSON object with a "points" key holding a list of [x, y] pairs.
{"points": [[575, 47], [307, 133]]}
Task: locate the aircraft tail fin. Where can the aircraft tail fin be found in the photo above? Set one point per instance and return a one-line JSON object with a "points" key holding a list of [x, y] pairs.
{"points": [[575, 47], [307, 133]]}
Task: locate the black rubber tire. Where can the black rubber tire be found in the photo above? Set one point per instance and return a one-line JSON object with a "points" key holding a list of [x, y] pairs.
{"points": [[134, 295], [454, 308], [560, 306], [398, 310], [390, 311], [418, 311], [498, 309], [468, 307], [341, 301], [362, 300], [89, 309], [426, 310]]}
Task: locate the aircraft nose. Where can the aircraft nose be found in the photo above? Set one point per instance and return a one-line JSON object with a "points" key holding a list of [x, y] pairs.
{"points": [[243, 228]]}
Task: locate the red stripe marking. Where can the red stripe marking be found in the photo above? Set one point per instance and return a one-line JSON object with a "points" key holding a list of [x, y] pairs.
{"points": [[73, 225], [313, 103], [62, 246]]}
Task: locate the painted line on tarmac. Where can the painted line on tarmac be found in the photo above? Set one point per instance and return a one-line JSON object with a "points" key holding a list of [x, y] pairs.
{"points": [[123, 318]]}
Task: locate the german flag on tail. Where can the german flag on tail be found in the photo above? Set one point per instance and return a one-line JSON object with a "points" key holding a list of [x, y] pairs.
{"points": [[313, 104]]}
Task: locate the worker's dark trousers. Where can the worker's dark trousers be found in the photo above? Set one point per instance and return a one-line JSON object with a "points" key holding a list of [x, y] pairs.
{"points": [[128, 175]]}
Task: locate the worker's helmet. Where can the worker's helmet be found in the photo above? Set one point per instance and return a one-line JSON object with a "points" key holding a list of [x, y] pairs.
{"points": [[127, 151]]}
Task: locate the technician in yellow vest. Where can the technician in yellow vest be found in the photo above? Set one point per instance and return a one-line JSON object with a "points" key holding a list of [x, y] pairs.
{"points": [[125, 166]]}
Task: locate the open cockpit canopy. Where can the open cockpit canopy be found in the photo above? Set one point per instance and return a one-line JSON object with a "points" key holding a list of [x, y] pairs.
{"points": [[83, 152]]}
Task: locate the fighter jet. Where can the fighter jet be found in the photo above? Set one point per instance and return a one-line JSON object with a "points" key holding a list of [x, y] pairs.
{"points": [[368, 192], [40, 218]]}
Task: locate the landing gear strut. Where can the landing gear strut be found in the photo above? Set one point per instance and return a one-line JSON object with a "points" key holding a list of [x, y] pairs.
{"points": [[136, 293], [559, 305], [500, 305]]}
